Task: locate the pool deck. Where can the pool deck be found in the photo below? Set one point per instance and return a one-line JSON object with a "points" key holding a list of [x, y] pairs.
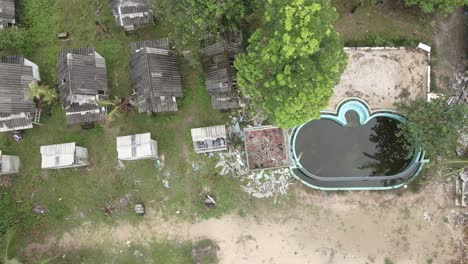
{"points": [[382, 77]]}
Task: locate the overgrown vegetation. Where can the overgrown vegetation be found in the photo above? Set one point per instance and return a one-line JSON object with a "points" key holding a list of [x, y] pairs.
{"points": [[190, 21], [434, 126], [429, 6], [293, 61]]}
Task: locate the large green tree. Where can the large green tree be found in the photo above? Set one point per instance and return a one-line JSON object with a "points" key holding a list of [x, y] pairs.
{"points": [[429, 6], [293, 61], [435, 126], [190, 21]]}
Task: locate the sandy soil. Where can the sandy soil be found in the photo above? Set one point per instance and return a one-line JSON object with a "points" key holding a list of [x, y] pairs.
{"points": [[382, 77], [354, 227]]}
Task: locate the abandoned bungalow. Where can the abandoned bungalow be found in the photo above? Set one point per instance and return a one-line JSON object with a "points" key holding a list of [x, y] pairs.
{"points": [[82, 78], [17, 109], [131, 14], [62, 156], [137, 147], [220, 74], [7, 13], [155, 76], [209, 139], [9, 164]]}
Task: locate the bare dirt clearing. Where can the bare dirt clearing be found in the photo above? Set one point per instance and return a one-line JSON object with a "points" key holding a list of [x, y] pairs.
{"points": [[382, 77], [349, 227]]}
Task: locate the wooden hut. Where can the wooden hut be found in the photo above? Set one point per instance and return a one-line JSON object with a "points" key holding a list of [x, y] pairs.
{"points": [[62, 156], [221, 75], [155, 74], [131, 14], [17, 109], [9, 164], [82, 77], [137, 147], [209, 139], [7, 14]]}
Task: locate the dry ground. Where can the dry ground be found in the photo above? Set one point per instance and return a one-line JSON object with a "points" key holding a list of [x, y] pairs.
{"points": [[353, 227], [451, 46], [382, 77]]}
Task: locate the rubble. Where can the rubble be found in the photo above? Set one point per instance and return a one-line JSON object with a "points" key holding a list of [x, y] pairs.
{"points": [[461, 189], [260, 183], [265, 184]]}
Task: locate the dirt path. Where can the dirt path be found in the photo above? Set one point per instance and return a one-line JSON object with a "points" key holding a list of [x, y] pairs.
{"points": [[451, 46], [354, 227]]}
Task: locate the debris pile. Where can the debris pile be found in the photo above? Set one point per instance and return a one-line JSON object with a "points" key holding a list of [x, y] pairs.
{"points": [[264, 184], [461, 189], [231, 163], [459, 83], [265, 148]]}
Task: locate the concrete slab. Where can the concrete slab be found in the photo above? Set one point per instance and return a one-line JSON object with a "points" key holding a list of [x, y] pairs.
{"points": [[382, 77]]}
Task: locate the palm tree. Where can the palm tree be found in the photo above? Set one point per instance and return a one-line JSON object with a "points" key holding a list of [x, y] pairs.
{"points": [[43, 93]]}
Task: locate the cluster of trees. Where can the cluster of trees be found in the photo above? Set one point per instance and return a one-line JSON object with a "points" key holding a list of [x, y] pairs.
{"points": [[190, 21], [293, 61], [435, 126]]}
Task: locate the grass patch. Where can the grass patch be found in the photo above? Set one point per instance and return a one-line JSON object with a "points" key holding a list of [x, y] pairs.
{"points": [[367, 24], [73, 196], [155, 252]]}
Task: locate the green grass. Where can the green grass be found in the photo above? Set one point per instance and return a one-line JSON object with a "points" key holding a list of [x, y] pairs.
{"points": [[73, 196], [155, 252], [400, 26]]}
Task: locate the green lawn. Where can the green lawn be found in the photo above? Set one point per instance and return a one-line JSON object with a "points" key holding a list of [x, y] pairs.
{"points": [[74, 196], [391, 22]]}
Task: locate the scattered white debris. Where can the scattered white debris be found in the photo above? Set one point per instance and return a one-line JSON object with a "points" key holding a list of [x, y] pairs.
{"points": [[120, 165], [166, 184], [427, 217], [265, 184], [461, 189]]}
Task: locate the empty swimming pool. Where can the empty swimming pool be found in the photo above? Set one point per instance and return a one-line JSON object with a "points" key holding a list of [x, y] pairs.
{"points": [[354, 149]]}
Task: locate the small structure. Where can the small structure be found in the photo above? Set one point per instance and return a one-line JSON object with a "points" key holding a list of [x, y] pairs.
{"points": [[9, 164], [7, 14], [209, 139], [82, 76], [17, 109], [62, 156], [137, 147], [155, 75], [266, 148], [221, 75], [139, 209], [131, 14]]}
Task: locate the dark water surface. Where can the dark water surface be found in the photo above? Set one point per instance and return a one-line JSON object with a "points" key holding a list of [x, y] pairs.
{"points": [[328, 149]]}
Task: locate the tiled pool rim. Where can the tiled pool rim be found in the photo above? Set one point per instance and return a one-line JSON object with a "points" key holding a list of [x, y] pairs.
{"points": [[365, 114]]}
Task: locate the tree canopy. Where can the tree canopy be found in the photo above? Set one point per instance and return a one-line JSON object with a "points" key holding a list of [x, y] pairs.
{"points": [[293, 61], [435, 126], [429, 6], [190, 21]]}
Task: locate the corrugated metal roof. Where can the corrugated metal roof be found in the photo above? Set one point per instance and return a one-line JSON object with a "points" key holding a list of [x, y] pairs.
{"points": [[204, 133], [139, 146], [155, 76], [59, 155], [9, 164], [13, 122]]}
